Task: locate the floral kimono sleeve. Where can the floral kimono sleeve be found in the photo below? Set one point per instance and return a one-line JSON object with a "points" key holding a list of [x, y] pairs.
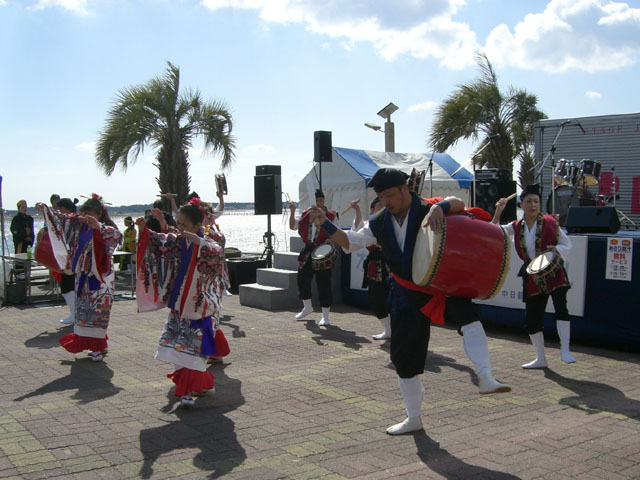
{"points": [[158, 259]]}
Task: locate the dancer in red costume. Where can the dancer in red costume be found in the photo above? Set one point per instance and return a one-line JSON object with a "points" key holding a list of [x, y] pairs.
{"points": [[533, 235], [84, 244], [182, 270]]}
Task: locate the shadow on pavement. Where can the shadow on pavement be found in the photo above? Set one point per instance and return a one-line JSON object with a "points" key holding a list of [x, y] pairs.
{"points": [[236, 332], [443, 463], [203, 426], [92, 380], [335, 334], [595, 397], [48, 339], [435, 362]]}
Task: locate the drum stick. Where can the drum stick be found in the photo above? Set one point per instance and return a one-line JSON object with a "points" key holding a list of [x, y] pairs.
{"points": [[510, 197], [348, 208]]}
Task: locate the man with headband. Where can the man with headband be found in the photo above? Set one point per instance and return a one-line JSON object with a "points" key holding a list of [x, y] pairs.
{"points": [[395, 229]]}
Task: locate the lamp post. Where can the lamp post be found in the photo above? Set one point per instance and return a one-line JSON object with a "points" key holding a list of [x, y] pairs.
{"points": [[389, 129]]}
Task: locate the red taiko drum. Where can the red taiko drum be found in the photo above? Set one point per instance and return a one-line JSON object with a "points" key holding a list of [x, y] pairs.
{"points": [[469, 258]]}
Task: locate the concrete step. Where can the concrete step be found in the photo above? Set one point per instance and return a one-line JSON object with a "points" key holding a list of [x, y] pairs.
{"points": [[267, 297], [286, 261], [277, 277]]}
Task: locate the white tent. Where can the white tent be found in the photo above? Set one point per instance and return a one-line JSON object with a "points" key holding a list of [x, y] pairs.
{"points": [[345, 178]]}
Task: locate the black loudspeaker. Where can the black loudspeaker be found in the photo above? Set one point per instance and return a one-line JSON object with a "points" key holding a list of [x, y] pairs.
{"points": [[267, 191], [321, 146], [592, 220], [488, 192], [268, 170]]}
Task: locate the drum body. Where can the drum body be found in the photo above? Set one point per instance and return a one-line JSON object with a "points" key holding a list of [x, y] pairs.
{"points": [[469, 258], [590, 171], [565, 173], [545, 266], [566, 197], [324, 256]]}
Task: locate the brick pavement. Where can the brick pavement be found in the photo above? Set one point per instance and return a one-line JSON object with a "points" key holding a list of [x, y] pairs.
{"points": [[298, 401]]}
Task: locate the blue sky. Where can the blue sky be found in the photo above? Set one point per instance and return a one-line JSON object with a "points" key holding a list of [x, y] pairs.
{"points": [[286, 68]]}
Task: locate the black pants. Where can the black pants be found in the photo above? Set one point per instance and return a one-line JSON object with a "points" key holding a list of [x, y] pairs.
{"points": [[67, 284], [378, 293], [461, 311], [410, 332], [536, 305], [323, 281]]}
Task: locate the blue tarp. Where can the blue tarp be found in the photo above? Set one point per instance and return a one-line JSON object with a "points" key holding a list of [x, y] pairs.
{"points": [[366, 167]]}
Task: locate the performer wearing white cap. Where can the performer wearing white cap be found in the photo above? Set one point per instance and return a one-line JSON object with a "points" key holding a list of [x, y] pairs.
{"points": [[395, 229], [533, 235]]}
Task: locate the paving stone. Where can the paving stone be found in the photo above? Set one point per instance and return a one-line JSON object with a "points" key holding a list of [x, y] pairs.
{"points": [[296, 401]]}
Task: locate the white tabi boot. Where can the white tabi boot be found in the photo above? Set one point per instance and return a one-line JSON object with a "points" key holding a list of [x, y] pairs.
{"points": [[564, 332], [386, 324], [70, 299], [476, 347], [537, 339], [324, 321], [306, 309], [412, 394]]}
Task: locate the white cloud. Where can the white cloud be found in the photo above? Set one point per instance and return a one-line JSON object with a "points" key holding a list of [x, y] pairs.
{"points": [[420, 29], [591, 95], [587, 35], [86, 147], [3, 3], [260, 149], [428, 105], [76, 6]]}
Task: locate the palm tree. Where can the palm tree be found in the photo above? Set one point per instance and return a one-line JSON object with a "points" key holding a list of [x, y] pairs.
{"points": [[479, 110], [156, 114]]}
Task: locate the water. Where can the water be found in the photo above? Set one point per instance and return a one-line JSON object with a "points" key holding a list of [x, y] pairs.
{"points": [[243, 229]]}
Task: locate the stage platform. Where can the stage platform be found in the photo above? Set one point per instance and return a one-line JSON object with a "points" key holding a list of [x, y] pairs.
{"points": [[604, 303]]}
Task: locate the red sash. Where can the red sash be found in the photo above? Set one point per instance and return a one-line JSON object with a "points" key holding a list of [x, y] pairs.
{"points": [[434, 308]]}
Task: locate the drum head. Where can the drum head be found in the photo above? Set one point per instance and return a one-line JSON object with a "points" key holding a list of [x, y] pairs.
{"points": [[321, 251], [427, 248], [539, 263]]}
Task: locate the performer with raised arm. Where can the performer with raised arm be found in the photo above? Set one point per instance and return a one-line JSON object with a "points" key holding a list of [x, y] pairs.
{"points": [[395, 229], [540, 235], [182, 270], [84, 244], [313, 237]]}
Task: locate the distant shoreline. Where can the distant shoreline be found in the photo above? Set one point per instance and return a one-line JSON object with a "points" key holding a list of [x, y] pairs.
{"points": [[140, 208]]}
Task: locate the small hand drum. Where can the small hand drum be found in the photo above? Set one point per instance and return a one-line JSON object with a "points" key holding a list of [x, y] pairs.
{"points": [[324, 256], [545, 266]]}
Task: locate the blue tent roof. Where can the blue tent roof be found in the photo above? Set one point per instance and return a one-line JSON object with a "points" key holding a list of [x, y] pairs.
{"points": [[366, 167]]}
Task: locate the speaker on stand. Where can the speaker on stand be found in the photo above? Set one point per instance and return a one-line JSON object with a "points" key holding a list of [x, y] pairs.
{"points": [[267, 189], [322, 151]]}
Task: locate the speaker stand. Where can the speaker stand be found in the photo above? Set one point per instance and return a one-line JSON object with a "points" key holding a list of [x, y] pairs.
{"points": [[626, 221], [268, 247]]}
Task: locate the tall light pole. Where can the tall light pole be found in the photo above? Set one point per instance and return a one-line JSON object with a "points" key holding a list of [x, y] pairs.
{"points": [[389, 129]]}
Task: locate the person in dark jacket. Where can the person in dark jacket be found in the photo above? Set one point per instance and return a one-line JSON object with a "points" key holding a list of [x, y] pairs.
{"points": [[22, 229]]}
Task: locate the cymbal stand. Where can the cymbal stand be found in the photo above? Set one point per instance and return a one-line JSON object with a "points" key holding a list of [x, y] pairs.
{"points": [[551, 154], [621, 216]]}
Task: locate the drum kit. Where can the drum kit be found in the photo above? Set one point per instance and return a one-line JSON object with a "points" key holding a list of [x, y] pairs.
{"points": [[572, 182]]}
